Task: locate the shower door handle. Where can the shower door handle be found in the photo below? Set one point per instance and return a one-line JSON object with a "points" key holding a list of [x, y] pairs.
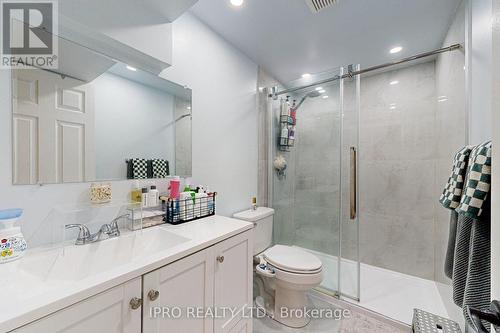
{"points": [[353, 184]]}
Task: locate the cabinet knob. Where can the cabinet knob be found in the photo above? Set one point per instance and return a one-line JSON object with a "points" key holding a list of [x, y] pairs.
{"points": [[220, 259], [135, 303], [153, 295]]}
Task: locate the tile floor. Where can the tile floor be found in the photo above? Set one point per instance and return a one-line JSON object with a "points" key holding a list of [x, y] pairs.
{"points": [[358, 322]]}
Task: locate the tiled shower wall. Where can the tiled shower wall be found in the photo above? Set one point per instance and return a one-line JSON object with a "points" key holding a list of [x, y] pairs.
{"points": [[397, 169]]}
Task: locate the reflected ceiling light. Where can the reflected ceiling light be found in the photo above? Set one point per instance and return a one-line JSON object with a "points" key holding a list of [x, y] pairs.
{"points": [[396, 49], [319, 88], [442, 99], [130, 68], [326, 96], [306, 75], [189, 108], [392, 106], [394, 82], [322, 91], [236, 3]]}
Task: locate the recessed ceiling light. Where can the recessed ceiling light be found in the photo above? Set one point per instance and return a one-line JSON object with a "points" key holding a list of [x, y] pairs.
{"points": [[306, 75], [236, 3], [326, 96], [189, 108], [396, 49], [394, 82], [130, 68], [322, 91], [319, 88]]}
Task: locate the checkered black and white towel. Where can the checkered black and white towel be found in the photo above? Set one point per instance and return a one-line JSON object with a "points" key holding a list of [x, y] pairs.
{"points": [[477, 182], [160, 168], [140, 168], [453, 191]]}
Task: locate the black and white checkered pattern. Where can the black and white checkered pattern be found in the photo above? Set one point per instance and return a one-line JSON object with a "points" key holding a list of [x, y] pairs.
{"points": [[478, 181], [140, 168], [160, 168], [453, 191]]}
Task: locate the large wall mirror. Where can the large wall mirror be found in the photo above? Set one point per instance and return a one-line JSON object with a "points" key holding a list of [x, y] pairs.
{"points": [[96, 119]]}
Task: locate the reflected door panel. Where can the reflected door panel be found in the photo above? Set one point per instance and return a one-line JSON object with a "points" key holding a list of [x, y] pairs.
{"points": [[53, 128]]}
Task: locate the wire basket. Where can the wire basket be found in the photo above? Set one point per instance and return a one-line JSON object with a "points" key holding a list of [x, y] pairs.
{"points": [[182, 211]]}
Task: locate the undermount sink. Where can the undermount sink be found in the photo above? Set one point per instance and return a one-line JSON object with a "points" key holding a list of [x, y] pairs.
{"points": [[77, 262]]}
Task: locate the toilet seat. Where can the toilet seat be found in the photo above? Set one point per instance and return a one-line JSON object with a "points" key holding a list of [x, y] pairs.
{"points": [[292, 260]]}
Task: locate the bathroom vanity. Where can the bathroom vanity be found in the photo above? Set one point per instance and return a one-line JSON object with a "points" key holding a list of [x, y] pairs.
{"points": [[114, 285]]}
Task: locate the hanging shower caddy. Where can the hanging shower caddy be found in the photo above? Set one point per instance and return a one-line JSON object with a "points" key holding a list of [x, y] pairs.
{"points": [[287, 122]]}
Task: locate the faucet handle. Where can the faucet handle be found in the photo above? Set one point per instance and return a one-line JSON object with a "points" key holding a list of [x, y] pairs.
{"points": [[114, 224], [84, 233]]}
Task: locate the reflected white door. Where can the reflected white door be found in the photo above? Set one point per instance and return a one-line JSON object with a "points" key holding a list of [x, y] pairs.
{"points": [[53, 128]]}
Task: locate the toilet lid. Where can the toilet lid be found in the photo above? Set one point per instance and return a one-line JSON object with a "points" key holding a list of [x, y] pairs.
{"points": [[292, 259]]}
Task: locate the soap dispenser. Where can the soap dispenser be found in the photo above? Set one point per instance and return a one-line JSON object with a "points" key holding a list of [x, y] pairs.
{"points": [[12, 243]]}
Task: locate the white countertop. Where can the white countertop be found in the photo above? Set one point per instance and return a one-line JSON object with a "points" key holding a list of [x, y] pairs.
{"points": [[45, 281]]}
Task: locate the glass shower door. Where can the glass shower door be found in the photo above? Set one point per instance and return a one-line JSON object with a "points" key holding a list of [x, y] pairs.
{"points": [[309, 196], [349, 263]]}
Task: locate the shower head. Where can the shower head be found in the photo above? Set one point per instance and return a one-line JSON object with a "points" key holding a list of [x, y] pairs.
{"points": [[311, 94]]}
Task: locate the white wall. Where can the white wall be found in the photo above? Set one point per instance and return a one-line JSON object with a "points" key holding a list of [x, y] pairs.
{"points": [[224, 131], [495, 222], [480, 71], [485, 103], [224, 83], [132, 121]]}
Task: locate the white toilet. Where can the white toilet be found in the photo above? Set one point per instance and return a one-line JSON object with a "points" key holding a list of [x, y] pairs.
{"points": [[285, 273]]}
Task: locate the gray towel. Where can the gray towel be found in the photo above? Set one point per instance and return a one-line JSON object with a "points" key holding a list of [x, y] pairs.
{"points": [[450, 251], [472, 267], [461, 258], [450, 198]]}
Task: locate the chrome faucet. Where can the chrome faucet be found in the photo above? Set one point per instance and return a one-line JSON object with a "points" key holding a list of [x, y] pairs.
{"points": [[110, 230]]}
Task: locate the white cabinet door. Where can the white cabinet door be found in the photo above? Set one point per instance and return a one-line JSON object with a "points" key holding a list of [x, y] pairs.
{"points": [[53, 128], [183, 285], [233, 279], [108, 312]]}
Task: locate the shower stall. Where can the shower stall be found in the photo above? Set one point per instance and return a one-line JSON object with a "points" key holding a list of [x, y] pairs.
{"points": [[372, 150], [315, 197]]}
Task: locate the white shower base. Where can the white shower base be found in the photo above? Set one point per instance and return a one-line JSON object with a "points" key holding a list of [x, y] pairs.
{"points": [[386, 292]]}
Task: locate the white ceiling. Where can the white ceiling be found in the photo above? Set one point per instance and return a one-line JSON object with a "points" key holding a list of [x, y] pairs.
{"points": [[287, 39], [113, 13]]}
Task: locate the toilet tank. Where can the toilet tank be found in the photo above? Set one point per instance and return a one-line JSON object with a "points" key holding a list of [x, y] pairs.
{"points": [[262, 218]]}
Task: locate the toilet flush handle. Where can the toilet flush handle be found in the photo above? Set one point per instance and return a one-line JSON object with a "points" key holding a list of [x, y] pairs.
{"points": [[265, 270]]}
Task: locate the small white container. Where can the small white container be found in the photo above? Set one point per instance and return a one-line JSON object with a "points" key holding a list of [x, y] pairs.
{"points": [[12, 242], [153, 197]]}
